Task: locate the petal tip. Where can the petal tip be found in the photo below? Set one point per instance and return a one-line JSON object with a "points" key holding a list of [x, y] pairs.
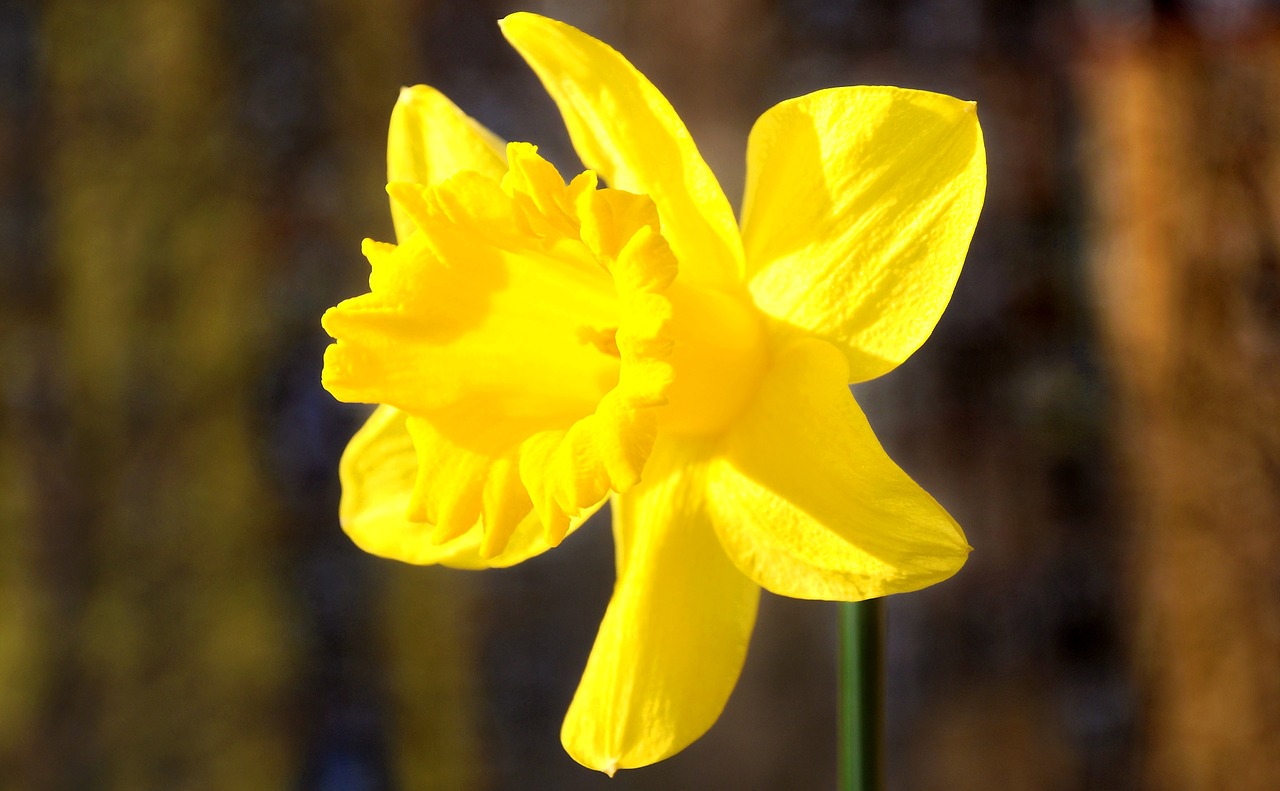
{"points": [[610, 767], [417, 94], [518, 18], [554, 531]]}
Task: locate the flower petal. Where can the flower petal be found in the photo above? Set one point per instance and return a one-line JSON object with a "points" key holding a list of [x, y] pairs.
{"points": [[859, 208], [430, 139], [378, 471], [676, 632], [624, 128], [808, 504]]}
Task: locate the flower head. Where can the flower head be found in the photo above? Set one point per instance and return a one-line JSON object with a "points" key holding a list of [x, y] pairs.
{"points": [[538, 347]]}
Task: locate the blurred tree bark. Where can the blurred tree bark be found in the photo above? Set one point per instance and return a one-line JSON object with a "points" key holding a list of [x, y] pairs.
{"points": [[166, 668], [26, 641], [1185, 156]]}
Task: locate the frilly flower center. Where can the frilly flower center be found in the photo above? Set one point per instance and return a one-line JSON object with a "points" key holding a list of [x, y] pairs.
{"points": [[533, 335]]}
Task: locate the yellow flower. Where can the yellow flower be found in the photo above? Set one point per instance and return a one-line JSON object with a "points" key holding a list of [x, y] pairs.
{"points": [[538, 348]]}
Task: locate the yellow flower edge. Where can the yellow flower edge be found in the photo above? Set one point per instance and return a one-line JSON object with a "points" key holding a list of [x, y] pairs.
{"points": [[537, 348]]}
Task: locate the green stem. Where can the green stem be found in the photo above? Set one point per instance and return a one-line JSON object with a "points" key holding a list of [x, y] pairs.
{"points": [[861, 727]]}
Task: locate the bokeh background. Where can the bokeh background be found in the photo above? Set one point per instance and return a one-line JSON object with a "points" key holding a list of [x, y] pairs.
{"points": [[183, 188]]}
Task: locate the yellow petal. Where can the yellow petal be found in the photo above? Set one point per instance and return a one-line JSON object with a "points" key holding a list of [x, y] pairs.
{"points": [[458, 483], [808, 504], [859, 207], [378, 471], [675, 635], [430, 139], [624, 129]]}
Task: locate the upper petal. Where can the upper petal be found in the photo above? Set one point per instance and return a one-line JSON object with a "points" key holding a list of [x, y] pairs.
{"points": [[429, 140], [808, 504], [624, 129], [859, 207], [378, 470], [675, 635]]}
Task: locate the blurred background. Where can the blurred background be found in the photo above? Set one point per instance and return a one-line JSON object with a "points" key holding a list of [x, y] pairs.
{"points": [[184, 185]]}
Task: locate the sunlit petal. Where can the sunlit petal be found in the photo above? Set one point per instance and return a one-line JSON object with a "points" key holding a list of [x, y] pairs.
{"points": [[624, 129], [808, 504], [859, 208], [675, 635]]}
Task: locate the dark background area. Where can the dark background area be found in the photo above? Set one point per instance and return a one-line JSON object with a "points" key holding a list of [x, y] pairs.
{"points": [[183, 190]]}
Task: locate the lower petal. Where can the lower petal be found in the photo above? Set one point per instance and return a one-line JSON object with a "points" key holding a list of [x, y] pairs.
{"points": [[378, 471], [806, 501], [675, 635]]}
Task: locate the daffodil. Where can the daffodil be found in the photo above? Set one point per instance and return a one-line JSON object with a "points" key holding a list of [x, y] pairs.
{"points": [[538, 348]]}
